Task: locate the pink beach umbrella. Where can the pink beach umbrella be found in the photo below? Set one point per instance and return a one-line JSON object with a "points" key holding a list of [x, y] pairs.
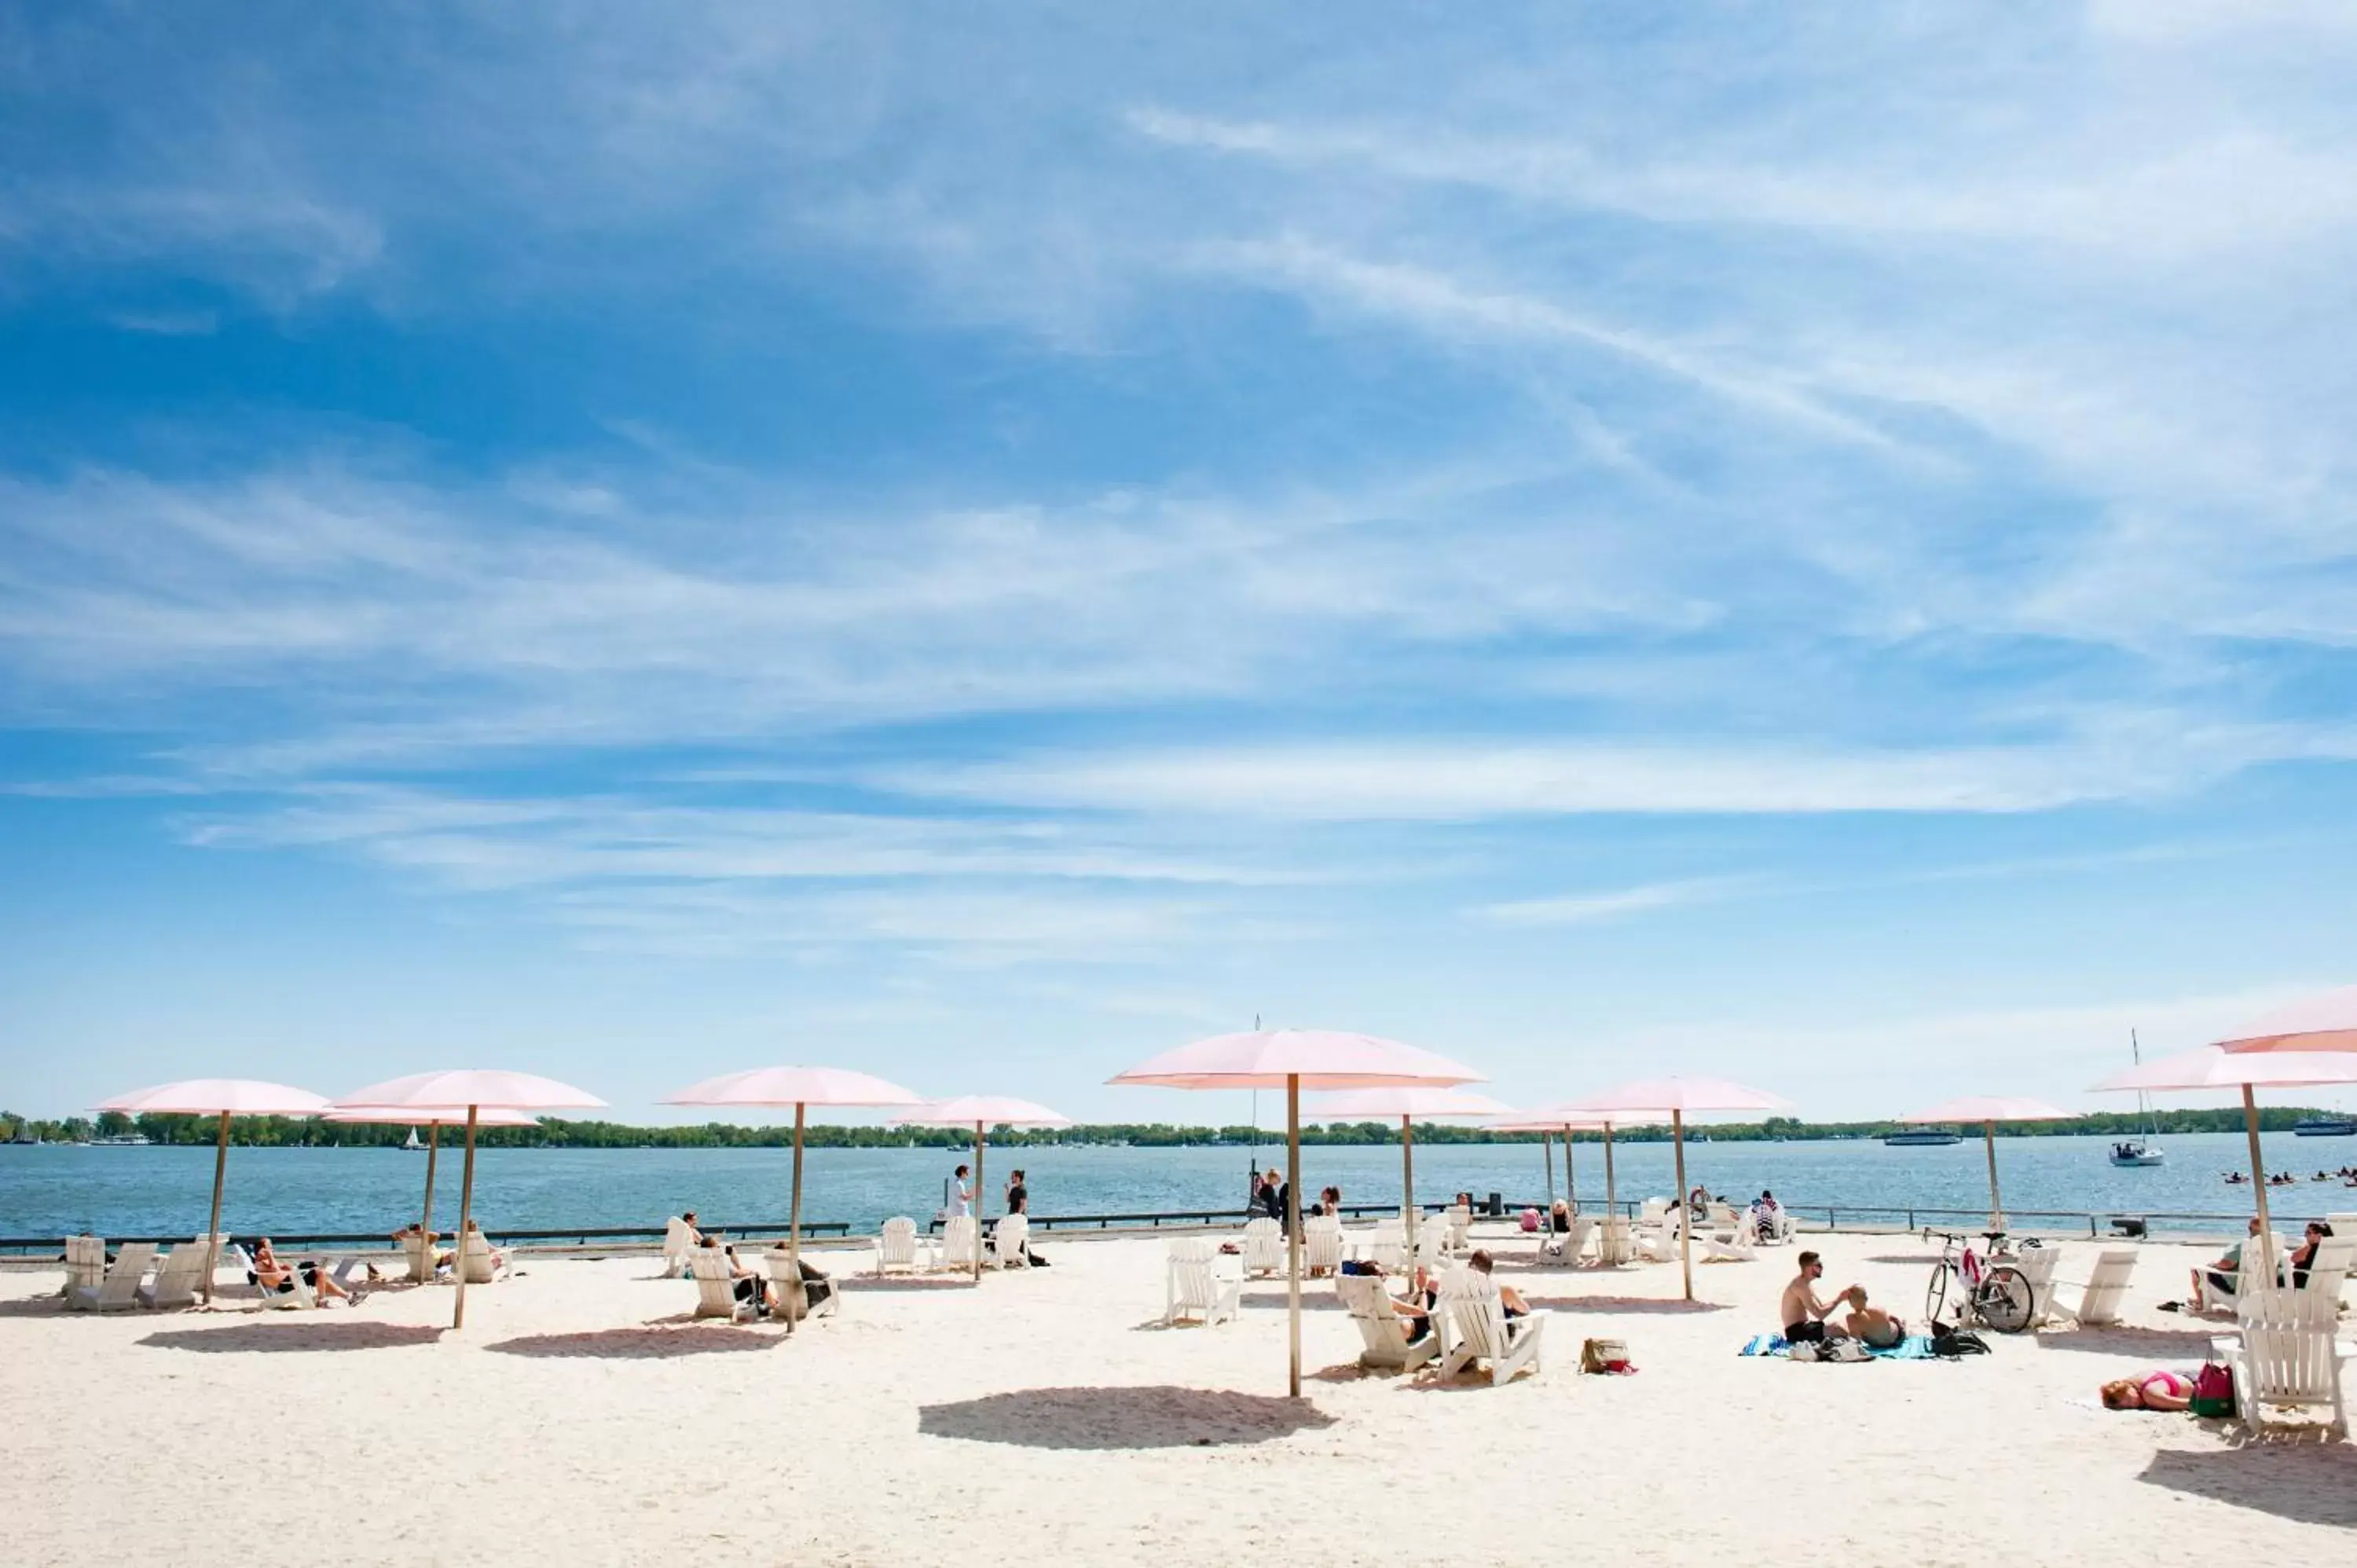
{"points": [[1563, 1120], [224, 1098], [2327, 1022], [799, 1087], [2216, 1067], [430, 1117], [1988, 1111], [1293, 1061], [982, 1111], [478, 1091], [1679, 1096], [1411, 1103]]}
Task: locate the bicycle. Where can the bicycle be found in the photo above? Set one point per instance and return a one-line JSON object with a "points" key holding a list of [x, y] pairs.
{"points": [[1989, 1291]]}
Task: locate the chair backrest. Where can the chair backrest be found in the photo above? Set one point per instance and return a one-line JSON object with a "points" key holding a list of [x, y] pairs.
{"points": [[477, 1258], [897, 1243], [121, 1286], [1469, 1297], [1263, 1245], [679, 1240], [1190, 1273], [1380, 1328], [1388, 1243], [961, 1239], [2106, 1286], [1461, 1223], [2288, 1345], [1581, 1229], [1321, 1236], [178, 1275], [2037, 1265], [716, 1286], [418, 1247], [1008, 1238], [1431, 1245], [1655, 1208], [85, 1262]]}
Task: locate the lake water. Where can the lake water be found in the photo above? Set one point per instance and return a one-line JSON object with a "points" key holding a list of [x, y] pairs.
{"points": [[52, 1190]]}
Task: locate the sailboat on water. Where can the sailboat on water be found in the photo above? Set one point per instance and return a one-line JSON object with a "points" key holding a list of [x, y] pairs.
{"points": [[2145, 1148], [413, 1147]]}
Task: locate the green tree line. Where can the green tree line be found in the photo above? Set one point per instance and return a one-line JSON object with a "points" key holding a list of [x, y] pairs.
{"points": [[270, 1132]]}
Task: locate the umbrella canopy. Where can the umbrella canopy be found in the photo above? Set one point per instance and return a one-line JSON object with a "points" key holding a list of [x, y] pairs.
{"points": [[477, 1090], [2321, 1022], [799, 1087], [1410, 1103], [1563, 1119], [1988, 1111], [1293, 1061], [223, 1098], [431, 1118], [2214, 1067], [1679, 1095], [982, 1110]]}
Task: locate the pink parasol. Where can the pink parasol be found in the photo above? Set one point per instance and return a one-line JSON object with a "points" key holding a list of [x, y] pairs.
{"points": [[982, 1111], [224, 1098], [2214, 1067], [1679, 1095], [2323, 1023], [430, 1117], [1410, 1103], [799, 1087], [1563, 1119], [477, 1090], [1988, 1111], [1293, 1061]]}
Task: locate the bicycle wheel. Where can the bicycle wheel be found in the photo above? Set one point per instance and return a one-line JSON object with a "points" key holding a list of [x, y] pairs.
{"points": [[2006, 1301], [1935, 1294]]}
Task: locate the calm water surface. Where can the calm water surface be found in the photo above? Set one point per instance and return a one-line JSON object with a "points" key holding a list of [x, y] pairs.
{"points": [[49, 1191]]}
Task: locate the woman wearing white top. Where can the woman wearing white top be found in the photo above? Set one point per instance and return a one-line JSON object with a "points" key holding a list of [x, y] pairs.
{"points": [[962, 1204]]}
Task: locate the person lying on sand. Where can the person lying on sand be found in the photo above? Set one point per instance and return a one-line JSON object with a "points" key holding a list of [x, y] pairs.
{"points": [[1804, 1315], [2157, 1390]]}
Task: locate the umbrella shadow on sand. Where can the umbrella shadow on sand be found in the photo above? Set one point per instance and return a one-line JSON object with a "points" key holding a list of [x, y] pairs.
{"points": [[1120, 1417], [2156, 1344], [650, 1342], [1641, 1306], [299, 1337], [864, 1284], [2308, 1480]]}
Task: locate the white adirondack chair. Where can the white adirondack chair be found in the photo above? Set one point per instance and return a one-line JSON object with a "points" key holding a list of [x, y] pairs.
{"points": [[1654, 1213], [679, 1240], [2037, 1265], [2328, 1270], [1614, 1244], [715, 1287], [2100, 1298], [896, 1246], [1470, 1299], [481, 1269], [1008, 1238], [779, 1262], [961, 1239], [85, 1266], [2284, 1356], [1387, 1244], [1263, 1247], [1661, 1246], [1383, 1330], [420, 1250], [2208, 1297], [1730, 1241], [176, 1277], [1193, 1288], [1775, 1229], [1321, 1244], [119, 1287], [1460, 1227], [1432, 1246]]}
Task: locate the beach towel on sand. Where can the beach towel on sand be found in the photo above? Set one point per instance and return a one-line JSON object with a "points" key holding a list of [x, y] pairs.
{"points": [[1914, 1347]]}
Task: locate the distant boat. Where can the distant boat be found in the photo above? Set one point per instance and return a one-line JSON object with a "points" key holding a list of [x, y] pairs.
{"points": [[2145, 1150], [1921, 1138], [2326, 1127], [123, 1141], [414, 1147]]}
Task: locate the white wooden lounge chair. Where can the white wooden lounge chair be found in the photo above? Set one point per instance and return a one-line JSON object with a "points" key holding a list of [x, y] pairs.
{"points": [[2208, 1297], [2100, 1298], [2328, 1270], [1193, 1288], [961, 1239], [780, 1265], [119, 1288], [1656, 1210], [1460, 1227], [896, 1246], [420, 1250], [1476, 1316], [2284, 1356], [1730, 1242], [1008, 1238], [1614, 1243], [1661, 1246], [679, 1240], [1387, 1244], [716, 1286], [1432, 1246], [1382, 1330], [1321, 1244], [85, 1267], [176, 1277], [1776, 1228], [482, 1266], [1263, 1247], [2037, 1265]]}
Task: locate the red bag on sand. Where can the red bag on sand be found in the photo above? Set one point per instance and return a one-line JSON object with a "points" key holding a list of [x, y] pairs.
{"points": [[2213, 1390]]}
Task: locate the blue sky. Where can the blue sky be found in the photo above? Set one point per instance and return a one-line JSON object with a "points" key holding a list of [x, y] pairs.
{"points": [[1808, 543]]}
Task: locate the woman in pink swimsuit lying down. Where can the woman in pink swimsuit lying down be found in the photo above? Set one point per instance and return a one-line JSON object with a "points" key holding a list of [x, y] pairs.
{"points": [[2158, 1389]]}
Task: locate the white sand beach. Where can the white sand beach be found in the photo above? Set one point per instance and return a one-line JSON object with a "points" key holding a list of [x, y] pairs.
{"points": [[583, 1417]]}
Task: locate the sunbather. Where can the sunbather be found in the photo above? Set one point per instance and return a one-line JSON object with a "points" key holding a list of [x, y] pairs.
{"points": [[475, 1231], [1508, 1297], [324, 1284], [2158, 1389], [2226, 1274], [268, 1273], [1872, 1324], [1803, 1312], [2303, 1258]]}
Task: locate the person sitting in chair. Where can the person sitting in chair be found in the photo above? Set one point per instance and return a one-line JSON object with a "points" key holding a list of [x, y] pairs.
{"points": [[1509, 1297], [2226, 1274], [2303, 1257], [1803, 1312]]}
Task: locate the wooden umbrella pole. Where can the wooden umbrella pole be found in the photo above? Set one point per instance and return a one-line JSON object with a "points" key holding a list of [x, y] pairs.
{"points": [[976, 1205], [1571, 1174], [1996, 1208], [1546, 1152], [1407, 1183], [466, 1218], [1611, 1193], [2259, 1191], [213, 1225], [794, 1302], [1685, 1219], [433, 1153], [1293, 1224]]}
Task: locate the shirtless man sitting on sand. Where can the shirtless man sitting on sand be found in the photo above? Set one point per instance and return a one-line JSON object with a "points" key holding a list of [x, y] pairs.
{"points": [[1804, 1315]]}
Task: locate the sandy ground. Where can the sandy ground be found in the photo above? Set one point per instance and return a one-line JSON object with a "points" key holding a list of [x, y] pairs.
{"points": [[582, 1417]]}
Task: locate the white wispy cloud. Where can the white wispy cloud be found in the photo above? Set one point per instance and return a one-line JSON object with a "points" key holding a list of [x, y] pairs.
{"points": [[1580, 909]]}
